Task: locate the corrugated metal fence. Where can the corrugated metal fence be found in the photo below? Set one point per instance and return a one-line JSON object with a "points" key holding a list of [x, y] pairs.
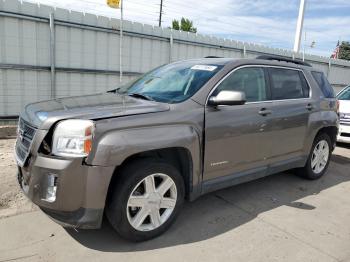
{"points": [[47, 52]]}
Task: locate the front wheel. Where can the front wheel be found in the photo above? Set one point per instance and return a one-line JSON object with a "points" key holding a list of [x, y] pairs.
{"points": [[319, 158], [146, 200]]}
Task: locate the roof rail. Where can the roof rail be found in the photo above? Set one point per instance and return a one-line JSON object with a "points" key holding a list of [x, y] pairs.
{"points": [[284, 59], [212, 56]]}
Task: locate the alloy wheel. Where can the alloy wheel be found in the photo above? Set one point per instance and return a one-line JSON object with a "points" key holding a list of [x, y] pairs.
{"points": [[320, 156], [151, 202]]}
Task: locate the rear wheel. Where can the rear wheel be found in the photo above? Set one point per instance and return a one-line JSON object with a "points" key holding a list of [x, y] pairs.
{"points": [[146, 200], [319, 158]]}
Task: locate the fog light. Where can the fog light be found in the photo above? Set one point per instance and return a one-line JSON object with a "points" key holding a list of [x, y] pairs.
{"points": [[51, 188]]}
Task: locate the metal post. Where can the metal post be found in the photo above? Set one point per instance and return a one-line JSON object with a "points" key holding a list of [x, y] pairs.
{"points": [[52, 55], [304, 47], [329, 67], [121, 43], [160, 13], [171, 47], [299, 26], [244, 51]]}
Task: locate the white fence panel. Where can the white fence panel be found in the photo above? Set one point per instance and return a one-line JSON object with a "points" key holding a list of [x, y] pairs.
{"points": [[86, 53]]}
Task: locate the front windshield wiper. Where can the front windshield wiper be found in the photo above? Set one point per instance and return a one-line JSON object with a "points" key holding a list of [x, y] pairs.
{"points": [[116, 90], [137, 95], [142, 96]]}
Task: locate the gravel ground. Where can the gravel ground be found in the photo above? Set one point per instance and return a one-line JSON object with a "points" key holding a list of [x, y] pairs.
{"points": [[12, 200]]}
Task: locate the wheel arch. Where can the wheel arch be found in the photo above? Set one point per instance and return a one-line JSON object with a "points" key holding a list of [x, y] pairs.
{"points": [[118, 147], [179, 157], [331, 131], [315, 130]]}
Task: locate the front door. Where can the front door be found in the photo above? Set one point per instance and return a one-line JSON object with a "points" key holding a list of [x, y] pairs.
{"points": [[235, 137]]}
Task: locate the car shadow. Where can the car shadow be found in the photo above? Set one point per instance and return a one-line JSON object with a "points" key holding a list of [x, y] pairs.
{"points": [[219, 212]]}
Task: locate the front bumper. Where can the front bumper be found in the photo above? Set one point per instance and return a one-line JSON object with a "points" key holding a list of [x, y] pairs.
{"points": [[82, 218], [344, 134], [81, 189]]}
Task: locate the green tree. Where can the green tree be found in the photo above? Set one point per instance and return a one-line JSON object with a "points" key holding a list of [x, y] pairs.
{"points": [[176, 25], [344, 50], [185, 25]]}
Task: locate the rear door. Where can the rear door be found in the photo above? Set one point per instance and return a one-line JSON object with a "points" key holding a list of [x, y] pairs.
{"points": [[291, 107]]}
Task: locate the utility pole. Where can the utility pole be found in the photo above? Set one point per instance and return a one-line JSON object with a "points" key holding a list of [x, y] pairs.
{"points": [[304, 49], [121, 43], [299, 26], [160, 13], [118, 4]]}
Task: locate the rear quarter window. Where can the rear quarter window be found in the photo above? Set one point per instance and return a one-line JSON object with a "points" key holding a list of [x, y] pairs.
{"points": [[323, 84]]}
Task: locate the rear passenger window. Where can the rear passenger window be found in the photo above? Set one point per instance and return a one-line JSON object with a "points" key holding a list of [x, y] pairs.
{"points": [[288, 84], [324, 85]]}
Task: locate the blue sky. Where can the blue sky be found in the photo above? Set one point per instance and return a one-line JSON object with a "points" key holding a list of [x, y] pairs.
{"points": [[267, 22]]}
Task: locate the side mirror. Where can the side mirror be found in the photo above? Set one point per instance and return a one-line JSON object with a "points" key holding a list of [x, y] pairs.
{"points": [[228, 98]]}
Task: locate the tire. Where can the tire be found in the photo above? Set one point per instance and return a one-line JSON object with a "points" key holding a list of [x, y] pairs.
{"points": [[134, 184], [310, 170]]}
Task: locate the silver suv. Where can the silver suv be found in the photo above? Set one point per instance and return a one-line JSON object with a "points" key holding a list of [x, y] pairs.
{"points": [[178, 132]]}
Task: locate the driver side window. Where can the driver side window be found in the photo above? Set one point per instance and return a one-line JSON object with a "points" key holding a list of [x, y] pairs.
{"points": [[250, 80]]}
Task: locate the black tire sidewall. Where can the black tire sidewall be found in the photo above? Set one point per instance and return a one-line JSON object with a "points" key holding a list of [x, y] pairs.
{"points": [[134, 173]]}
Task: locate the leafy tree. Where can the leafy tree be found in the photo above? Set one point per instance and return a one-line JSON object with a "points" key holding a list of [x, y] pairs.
{"points": [[185, 25], [344, 50], [176, 24]]}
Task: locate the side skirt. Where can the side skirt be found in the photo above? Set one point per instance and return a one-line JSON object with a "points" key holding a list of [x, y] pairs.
{"points": [[252, 174]]}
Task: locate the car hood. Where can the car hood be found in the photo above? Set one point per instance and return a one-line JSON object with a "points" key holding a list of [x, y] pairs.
{"points": [[344, 106], [97, 106]]}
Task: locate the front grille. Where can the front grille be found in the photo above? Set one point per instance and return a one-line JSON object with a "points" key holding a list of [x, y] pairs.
{"points": [[344, 119], [24, 140]]}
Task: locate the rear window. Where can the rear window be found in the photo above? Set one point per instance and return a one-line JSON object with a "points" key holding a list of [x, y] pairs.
{"points": [[288, 84], [324, 85]]}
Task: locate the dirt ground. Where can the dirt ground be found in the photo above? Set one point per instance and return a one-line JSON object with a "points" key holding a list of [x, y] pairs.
{"points": [[12, 201]]}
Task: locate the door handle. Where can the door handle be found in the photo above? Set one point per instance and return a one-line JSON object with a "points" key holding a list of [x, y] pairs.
{"points": [[309, 107], [264, 112]]}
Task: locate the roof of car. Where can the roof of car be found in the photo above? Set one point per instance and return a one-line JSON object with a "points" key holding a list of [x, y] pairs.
{"points": [[215, 61], [249, 61]]}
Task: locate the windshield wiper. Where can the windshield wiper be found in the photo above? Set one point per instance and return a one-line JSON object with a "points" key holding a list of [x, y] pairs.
{"points": [[116, 90], [142, 96]]}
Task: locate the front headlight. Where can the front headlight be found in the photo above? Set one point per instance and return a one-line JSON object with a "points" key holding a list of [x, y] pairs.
{"points": [[73, 138]]}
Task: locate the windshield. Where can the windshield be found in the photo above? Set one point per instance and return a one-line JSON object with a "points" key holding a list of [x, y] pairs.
{"points": [[171, 83], [345, 94]]}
